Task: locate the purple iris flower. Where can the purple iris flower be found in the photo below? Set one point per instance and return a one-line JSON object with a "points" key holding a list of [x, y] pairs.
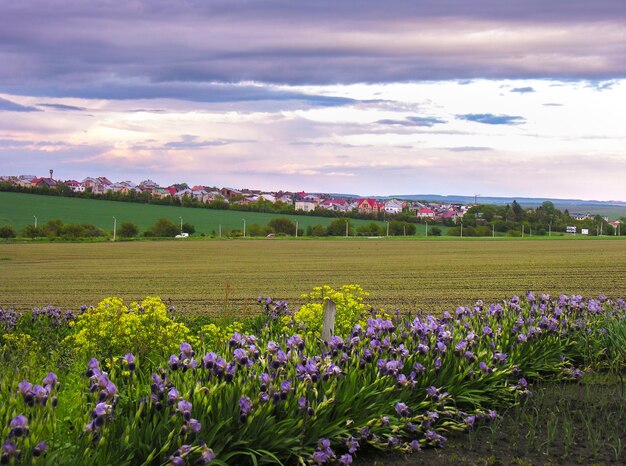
{"points": [[241, 356], [438, 364], [50, 380], [345, 459], [173, 396], [352, 445], [93, 368], [19, 426], [245, 406], [208, 360], [129, 360], [40, 449], [415, 445], [9, 450], [174, 362], [403, 410], [264, 378], [186, 351]]}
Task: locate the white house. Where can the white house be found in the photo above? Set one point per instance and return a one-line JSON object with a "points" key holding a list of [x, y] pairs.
{"points": [[306, 206], [394, 206]]}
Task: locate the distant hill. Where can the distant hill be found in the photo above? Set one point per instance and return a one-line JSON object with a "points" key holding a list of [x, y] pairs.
{"points": [[526, 201]]}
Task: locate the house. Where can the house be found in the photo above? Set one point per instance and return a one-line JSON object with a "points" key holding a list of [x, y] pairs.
{"points": [[75, 186], [148, 186], [425, 212], [394, 206], [230, 192], [104, 181], [451, 215], [336, 205], [578, 216], [370, 206], [184, 193], [45, 183], [306, 206], [161, 192]]}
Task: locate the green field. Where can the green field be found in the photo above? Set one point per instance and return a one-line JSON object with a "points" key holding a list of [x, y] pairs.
{"points": [[19, 209], [226, 276], [612, 211]]}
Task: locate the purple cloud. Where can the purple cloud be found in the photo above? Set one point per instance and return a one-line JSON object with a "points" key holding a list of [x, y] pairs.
{"points": [[158, 49], [9, 106]]}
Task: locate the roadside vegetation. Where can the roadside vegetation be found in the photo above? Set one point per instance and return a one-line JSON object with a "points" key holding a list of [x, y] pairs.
{"points": [[138, 383]]}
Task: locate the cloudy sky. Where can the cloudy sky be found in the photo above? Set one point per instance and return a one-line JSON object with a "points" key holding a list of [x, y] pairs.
{"points": [[365, 97]]}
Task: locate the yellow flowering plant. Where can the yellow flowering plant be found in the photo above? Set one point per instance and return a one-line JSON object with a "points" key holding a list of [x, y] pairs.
{"points": [[113, 328], [213, 335], [351, 310]]}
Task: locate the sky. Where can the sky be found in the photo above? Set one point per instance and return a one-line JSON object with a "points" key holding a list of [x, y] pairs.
{"points": [[366, 97]]}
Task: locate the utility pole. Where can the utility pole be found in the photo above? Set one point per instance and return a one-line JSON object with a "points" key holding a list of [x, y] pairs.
{"points": [[244, 227], [550, 229], [493, 231], [114, 227], [426, 229], [461, 228], [35, 221], [387, 228], [346, 228], [296, 228], [404, 228], [220, 228], [181, 224]]}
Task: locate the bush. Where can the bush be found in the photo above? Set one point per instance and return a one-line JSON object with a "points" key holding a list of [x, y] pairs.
{"points": [[317, 230], [113, 329], [29, 231], [338, 227], [282, 225], [128, 230], [370, 229], [434, 231], [7, 231], [350, 309], [188, 228], [163, 228]]}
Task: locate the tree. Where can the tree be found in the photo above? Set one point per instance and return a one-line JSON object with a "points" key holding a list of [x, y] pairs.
{"points": [[338, 227], [282, 225], [128, 230], [370, 229], [6, 232], [163, 228], [29, 231], [434, 231], [317, 230], [188, 228]]}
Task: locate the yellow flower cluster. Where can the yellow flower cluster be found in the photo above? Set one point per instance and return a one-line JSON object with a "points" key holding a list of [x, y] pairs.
{"points": [[19, 346], [112, 328], [214, 335], [351, 309]]}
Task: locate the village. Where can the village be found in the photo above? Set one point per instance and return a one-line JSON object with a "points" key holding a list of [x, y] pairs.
{"points": [[301, 201]]}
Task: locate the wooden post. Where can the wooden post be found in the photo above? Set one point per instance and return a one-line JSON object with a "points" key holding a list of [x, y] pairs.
{"points": [[328, 326]]}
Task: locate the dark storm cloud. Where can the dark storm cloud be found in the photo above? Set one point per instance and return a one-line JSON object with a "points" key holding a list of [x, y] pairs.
{"points": [[78, 48], [491, 119], [8, 106]]}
